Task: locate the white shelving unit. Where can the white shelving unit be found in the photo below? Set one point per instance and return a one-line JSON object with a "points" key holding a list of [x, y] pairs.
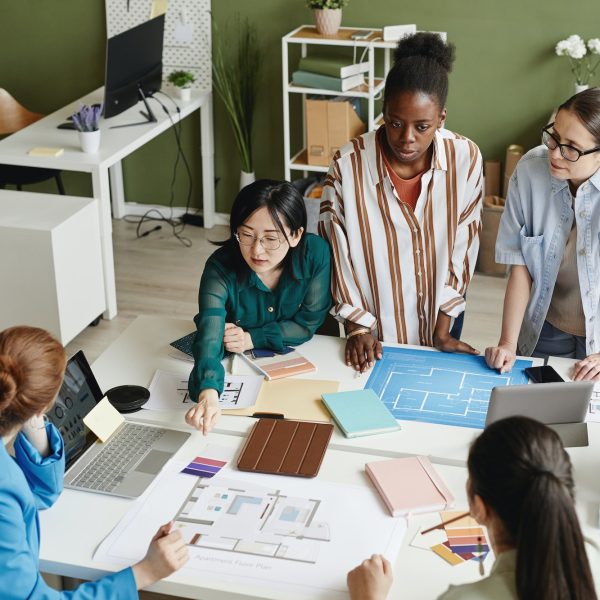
{"points": [[306, 35]]}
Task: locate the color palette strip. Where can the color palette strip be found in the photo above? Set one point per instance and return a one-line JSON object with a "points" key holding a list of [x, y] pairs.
{"points": [[204, 467]]}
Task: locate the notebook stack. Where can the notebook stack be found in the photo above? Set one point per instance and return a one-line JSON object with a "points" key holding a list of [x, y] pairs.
{"points": [[333, 73]]}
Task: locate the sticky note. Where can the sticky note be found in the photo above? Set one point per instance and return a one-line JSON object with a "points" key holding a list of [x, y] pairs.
{"points": [[104, 419], [159, 7], [447, 554], [45, 151]]}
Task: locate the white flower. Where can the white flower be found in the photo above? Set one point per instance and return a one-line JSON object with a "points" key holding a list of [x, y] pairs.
{"points": [[577, 49], [562, 48], [594, 45]]}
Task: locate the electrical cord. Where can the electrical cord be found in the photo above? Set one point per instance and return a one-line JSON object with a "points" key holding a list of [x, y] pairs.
{"points": [[154, 214]]}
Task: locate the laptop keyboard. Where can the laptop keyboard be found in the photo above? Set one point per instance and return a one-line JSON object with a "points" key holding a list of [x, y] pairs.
{"points": [[108, 468]]}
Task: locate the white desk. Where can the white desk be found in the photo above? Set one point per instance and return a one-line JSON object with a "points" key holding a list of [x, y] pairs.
{"points": [[115, 145], [418, 574], [144, 347]]}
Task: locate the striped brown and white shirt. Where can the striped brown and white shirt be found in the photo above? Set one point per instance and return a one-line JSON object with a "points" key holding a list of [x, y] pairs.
{"points": [[395, 268]]}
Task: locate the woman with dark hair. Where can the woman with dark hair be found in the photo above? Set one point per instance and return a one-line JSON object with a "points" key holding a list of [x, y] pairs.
{"points": [[32, 366], [549, 233], [521, 488], [266, 287], [402, 209]]}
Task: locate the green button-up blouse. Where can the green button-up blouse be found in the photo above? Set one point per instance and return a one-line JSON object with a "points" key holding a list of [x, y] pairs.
{"points": [[287, 315]]}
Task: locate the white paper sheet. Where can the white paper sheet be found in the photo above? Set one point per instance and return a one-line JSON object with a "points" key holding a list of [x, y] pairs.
{"points": [[264, 529], [593, 415], [168, 391]]}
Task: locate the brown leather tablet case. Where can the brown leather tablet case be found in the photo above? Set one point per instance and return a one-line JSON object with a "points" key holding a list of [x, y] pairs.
{"points": [[285, 447]]}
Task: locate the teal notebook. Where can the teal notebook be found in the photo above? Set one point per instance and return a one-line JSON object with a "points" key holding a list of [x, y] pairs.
{"points": [[360, 412]]}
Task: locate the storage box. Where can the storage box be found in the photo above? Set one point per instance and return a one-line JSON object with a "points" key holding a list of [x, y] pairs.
{"points": [[329, 125], [493, 207]]}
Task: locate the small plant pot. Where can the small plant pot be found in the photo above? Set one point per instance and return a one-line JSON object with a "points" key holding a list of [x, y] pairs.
{"points": [[89, 141], [581, 88], [246, 178], [185, 94], [328, 20]]}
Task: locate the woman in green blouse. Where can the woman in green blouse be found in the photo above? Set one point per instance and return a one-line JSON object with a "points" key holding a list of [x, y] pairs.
{"points": [[266, 287]]}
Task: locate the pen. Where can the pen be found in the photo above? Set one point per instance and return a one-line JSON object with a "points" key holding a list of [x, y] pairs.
{"points": [[268, 415], [443, 524], [480, 552]]}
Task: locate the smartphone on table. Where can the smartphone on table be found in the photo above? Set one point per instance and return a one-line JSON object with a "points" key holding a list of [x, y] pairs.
{"points": [[545, 374]]}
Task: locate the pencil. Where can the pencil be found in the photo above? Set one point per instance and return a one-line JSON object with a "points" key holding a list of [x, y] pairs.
{"points": [[445, 523], [480, 552]]}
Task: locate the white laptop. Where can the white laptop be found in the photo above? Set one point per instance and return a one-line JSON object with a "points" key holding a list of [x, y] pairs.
{"points": [[561, 406], [127, 462]]}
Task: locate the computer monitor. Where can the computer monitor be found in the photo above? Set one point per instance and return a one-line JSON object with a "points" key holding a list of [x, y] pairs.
{"points": [[134, 67]]}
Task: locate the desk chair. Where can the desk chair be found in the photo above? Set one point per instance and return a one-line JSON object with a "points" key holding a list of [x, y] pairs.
{"points": [[13, 117]]}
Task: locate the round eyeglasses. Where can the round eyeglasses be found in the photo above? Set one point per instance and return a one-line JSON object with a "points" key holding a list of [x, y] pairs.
{"points": [[567, 151], [268, 242]]}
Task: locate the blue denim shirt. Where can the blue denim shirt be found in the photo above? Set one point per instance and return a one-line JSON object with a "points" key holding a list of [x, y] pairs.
{"points": [[533, 232]]}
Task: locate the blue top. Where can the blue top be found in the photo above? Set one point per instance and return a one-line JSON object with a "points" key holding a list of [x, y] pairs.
{"points": [[289, 314], [29, 483], [534, 230]]}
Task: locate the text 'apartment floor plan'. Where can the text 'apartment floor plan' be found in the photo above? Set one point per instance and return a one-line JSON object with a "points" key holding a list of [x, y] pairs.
{"points": [[234, 517], [437, 387]]}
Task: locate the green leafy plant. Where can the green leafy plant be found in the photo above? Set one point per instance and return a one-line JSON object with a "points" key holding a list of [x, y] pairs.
{"points": [[236, 81], [326, 3], [181, 79]]}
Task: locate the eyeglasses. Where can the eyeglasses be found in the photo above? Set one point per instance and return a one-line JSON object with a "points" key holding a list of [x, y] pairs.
{"points": [[268, 242], [567, 151]]}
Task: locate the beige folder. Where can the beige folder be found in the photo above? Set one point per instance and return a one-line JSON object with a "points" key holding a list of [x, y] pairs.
{"points": [[293, 398]]}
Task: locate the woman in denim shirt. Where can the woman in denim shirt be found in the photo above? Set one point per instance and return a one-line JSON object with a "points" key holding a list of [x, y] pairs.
{"points": [[549, 233]]}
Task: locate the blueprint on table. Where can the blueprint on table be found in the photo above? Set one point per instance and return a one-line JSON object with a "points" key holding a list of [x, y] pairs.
{"points": [[437, 387]]}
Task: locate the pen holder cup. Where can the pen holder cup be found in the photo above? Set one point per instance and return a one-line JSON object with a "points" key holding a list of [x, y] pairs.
{"points": [[89, 141]]}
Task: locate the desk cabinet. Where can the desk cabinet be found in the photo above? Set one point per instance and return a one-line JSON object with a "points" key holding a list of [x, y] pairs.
{"points": [[50, 262]]}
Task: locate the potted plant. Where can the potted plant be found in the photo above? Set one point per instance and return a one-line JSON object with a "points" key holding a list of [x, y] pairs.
{"points": [[87, 122], [183, 80], [236, 79], [328, 15], [583, 66]]}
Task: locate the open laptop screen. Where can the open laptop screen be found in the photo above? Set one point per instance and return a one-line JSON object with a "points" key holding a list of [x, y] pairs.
{"points": [[78, 394]]}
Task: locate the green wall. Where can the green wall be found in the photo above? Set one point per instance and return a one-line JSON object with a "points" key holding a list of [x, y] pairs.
{"points": [[505, 81]]}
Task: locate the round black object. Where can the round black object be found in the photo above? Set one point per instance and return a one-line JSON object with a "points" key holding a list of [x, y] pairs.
{"points": [[128, 398]]}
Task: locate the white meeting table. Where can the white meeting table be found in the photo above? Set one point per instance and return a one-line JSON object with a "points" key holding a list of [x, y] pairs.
{"points": [[105, 165], [418, 574]]}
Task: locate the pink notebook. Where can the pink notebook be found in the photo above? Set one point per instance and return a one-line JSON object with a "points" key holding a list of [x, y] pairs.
{"points": [[409, 485]]}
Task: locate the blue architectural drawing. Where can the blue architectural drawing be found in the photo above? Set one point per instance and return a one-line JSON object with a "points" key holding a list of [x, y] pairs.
{"points": [[436, 387]]}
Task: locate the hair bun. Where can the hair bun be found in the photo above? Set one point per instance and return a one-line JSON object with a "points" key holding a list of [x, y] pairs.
{"points": [[9, 380], [427, 45]]}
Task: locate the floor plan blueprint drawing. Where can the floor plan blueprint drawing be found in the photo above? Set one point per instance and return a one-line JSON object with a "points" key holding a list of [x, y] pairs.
{"points": [[437, 387]]}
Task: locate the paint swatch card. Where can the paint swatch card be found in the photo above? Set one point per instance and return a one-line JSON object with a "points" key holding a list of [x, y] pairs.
{"points": [[204, 467]]}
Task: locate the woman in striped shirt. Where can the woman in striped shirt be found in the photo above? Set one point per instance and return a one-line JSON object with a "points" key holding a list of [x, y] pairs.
{"points": [[402, 211]]}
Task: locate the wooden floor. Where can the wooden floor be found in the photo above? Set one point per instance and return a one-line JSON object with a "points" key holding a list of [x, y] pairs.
{"points": [[157, 275]]}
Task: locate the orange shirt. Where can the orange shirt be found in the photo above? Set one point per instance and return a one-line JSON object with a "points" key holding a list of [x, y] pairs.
{"points": [[408, 190]]}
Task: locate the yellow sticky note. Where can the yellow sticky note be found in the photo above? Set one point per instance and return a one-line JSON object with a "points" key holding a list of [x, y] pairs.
{"points": [[45, 151], [159, 7], [104, 419]]}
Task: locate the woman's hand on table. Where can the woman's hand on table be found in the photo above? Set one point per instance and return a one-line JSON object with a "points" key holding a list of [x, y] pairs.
{"points": [[203, 415], [235, 339], [371, 580], [362, 351], [446, 343], [501, 357], [587, 369]]}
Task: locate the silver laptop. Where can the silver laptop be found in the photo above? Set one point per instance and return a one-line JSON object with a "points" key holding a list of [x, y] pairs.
{"points": [[561, 406], [127, 462]]}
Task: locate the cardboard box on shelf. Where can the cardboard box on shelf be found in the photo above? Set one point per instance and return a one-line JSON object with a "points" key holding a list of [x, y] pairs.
{"points": [[513, 154], [493, 207], [329, 125]]}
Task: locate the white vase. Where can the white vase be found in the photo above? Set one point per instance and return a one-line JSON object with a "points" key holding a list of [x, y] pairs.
{"points": [[246, 178], [89, 141], [328, 20], [185, 94], [581, 88]]}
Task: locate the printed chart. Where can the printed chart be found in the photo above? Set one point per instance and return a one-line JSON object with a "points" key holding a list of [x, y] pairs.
{"points": [[436, 387]]}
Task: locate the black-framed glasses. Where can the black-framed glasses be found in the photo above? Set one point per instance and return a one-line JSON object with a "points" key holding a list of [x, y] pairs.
{"points": [[567, 151], [268, 242]]}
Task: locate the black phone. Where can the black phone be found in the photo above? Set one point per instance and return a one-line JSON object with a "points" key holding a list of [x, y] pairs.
{"points": [[545, 374]]}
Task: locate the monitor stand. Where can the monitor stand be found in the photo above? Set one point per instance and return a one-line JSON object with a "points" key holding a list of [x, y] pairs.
{"points": [[149, 115]]}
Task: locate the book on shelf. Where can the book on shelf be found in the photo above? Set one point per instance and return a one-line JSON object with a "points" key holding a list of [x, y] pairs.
{"points": [[409, 485], [276, 365], [326, 82], [334, 66], [360, 412]]}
